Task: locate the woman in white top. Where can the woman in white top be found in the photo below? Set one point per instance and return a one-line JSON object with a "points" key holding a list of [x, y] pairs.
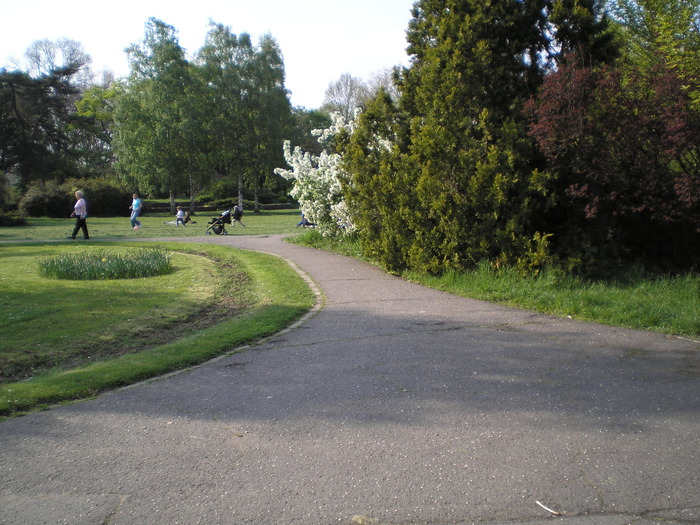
{"points": [[80, 213]]}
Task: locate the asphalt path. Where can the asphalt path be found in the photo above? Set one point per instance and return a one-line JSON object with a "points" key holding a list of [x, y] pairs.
{"points": [[390, 404]]}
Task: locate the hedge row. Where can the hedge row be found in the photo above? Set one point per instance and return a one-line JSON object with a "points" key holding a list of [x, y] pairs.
{"points": [[52, 199]]}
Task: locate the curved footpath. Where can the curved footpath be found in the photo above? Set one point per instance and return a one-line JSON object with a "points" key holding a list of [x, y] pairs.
{"points": [[394, 404]]}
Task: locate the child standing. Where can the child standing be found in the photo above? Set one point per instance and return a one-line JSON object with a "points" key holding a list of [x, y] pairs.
{"points": [[180, 216]]}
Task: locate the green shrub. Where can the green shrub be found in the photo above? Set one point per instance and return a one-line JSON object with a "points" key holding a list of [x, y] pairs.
{"points": [[105, 265], [45, 199], [50, 199], [225, 204], [9, 193], [11, 218], [105, 198], [265, 196], [226, 190], [222, 189]]}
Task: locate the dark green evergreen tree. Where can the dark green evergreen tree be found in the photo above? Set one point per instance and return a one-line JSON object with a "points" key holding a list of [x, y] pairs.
{"points": [[381, 194], [36, 118], [469, 185]]}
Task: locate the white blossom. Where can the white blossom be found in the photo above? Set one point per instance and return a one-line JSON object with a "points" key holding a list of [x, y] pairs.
{"points": [[318, 181]]}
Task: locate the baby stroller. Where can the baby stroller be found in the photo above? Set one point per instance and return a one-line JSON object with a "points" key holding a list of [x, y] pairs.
{"points": [[218, 224]]}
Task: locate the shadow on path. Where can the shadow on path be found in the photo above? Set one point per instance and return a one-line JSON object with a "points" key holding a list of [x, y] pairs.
{"points": [[393, 404]]}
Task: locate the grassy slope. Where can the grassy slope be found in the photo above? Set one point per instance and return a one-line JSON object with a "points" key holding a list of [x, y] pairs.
{"points": [[274, 297], [666, 304]]}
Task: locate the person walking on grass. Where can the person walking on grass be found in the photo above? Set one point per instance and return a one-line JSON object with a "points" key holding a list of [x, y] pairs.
{"points": [[80, 213], [237, 215], [135, 210]]}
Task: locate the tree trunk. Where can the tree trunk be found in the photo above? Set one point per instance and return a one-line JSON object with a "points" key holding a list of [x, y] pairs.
{"points": [[256, 189], [240, 188], [193, 193]]}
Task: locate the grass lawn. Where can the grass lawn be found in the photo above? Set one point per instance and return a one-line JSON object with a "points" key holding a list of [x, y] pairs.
{"points": [[50, 322], [665, 304], [65, 340], [154, 226]]}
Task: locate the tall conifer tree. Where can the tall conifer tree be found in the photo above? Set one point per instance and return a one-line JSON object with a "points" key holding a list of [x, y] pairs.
{"points": [[466, 160]]}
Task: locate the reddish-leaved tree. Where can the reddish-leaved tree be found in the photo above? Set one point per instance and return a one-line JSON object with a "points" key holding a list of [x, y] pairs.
{"points": [[624, 155]]}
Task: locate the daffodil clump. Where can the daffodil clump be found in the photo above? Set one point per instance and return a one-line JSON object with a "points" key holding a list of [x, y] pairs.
{"points": [[105, 265]]}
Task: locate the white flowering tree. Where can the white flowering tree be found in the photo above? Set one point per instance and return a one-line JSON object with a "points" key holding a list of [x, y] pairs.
{"points": [[318, 181]]}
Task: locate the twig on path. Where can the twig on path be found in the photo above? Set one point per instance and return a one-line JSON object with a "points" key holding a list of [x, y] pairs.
{"points": [[548, 509]]}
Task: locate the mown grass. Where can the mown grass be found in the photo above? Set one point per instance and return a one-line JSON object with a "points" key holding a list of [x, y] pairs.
{"points": [[67, 340], [666, 304], [153, 226], [47, 323]]}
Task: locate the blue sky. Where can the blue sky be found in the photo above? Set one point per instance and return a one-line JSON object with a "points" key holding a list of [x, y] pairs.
{"points": [[320, 39]]}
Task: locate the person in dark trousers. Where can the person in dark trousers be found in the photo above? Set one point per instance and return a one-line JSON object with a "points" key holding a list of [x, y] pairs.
{"points": [[238, 215], [80, 213], [306, 223]]}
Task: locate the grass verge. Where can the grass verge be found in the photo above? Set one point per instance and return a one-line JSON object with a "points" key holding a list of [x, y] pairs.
{"points": [[270, 297], [665, 304]]}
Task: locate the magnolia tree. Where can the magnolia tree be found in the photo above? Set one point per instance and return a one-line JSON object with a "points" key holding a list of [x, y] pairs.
{"points": [[318, 181]]}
